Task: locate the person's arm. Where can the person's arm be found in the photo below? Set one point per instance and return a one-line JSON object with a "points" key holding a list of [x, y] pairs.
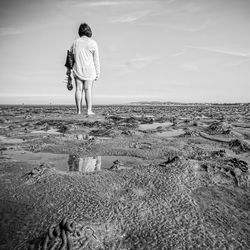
{"points": [[96, 61]]}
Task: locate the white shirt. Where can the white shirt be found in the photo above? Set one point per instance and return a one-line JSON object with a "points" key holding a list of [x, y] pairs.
{"points": [[87, 64]]}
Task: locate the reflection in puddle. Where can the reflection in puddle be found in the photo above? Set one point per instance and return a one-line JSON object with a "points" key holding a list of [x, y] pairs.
{"points": [[87, 164]]}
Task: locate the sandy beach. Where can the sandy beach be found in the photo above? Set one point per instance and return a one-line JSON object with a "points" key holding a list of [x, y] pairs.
{"points": [[130, 177]]}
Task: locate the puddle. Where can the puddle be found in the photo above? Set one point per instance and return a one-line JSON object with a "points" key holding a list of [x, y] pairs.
{"points": [[96, 163], [50, 131], [171, 133], [57, 160], [154, 125], [104, 138], [4, 139], [65, 162]]}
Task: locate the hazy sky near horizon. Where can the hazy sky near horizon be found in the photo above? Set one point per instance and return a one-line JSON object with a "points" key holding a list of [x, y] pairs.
{"points": [[165, 50]]}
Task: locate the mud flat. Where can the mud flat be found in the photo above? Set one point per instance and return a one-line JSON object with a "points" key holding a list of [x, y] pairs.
{"points": [[131, 177]]}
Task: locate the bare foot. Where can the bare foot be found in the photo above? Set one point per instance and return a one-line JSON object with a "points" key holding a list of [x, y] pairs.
{"points": [[90, 112]]}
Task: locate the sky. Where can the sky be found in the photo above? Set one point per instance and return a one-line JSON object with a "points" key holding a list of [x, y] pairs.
{"points": [[150, 50]]}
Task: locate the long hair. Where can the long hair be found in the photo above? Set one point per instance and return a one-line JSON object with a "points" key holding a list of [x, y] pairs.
{"points": [[85, 30]]}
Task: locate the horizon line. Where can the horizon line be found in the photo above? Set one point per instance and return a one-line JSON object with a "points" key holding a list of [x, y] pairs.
{"points": [[128, 103]]}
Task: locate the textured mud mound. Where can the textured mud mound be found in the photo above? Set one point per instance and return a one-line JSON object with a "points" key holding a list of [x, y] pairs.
{"points": [[83, 235], [219, 128], [239, 146], [177, 204], [190, 190]]}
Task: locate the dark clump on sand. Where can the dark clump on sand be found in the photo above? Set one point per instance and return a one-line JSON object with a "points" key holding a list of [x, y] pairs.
{"points": [[130, 177]]}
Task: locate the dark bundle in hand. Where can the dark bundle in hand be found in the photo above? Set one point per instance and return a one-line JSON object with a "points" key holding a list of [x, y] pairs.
{"points": [[69, 82], [70, 60]]}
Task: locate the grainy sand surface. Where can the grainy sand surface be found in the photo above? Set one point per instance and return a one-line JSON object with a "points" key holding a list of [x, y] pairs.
{"points": [[112, 182]]}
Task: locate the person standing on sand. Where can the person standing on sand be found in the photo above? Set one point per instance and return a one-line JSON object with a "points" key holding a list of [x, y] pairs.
{"points": [[86, 67]]}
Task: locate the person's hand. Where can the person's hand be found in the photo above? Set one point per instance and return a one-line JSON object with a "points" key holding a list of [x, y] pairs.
{"points": [[97, 77], [68, 73]]}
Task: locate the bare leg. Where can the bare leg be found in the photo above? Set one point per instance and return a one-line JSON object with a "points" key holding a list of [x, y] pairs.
{"points": [[82, 93], [86, 100], [88, 85], [78, 94]]}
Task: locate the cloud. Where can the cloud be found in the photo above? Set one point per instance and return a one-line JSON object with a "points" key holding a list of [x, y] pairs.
{"points": [[180, 53], [117, 96], [121, 69], [134, 64], [221, 51], [28, 95], [193, 8], [141, 62], [191, 67], [238, 63], [170, 1], [8, 31], [110, 3], [131, 17], [105, 3], [179, 26], [35, 73], [199, 26]]}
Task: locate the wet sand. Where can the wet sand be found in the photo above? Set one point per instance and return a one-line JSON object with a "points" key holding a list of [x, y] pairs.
{"points": [[131, 177]]}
